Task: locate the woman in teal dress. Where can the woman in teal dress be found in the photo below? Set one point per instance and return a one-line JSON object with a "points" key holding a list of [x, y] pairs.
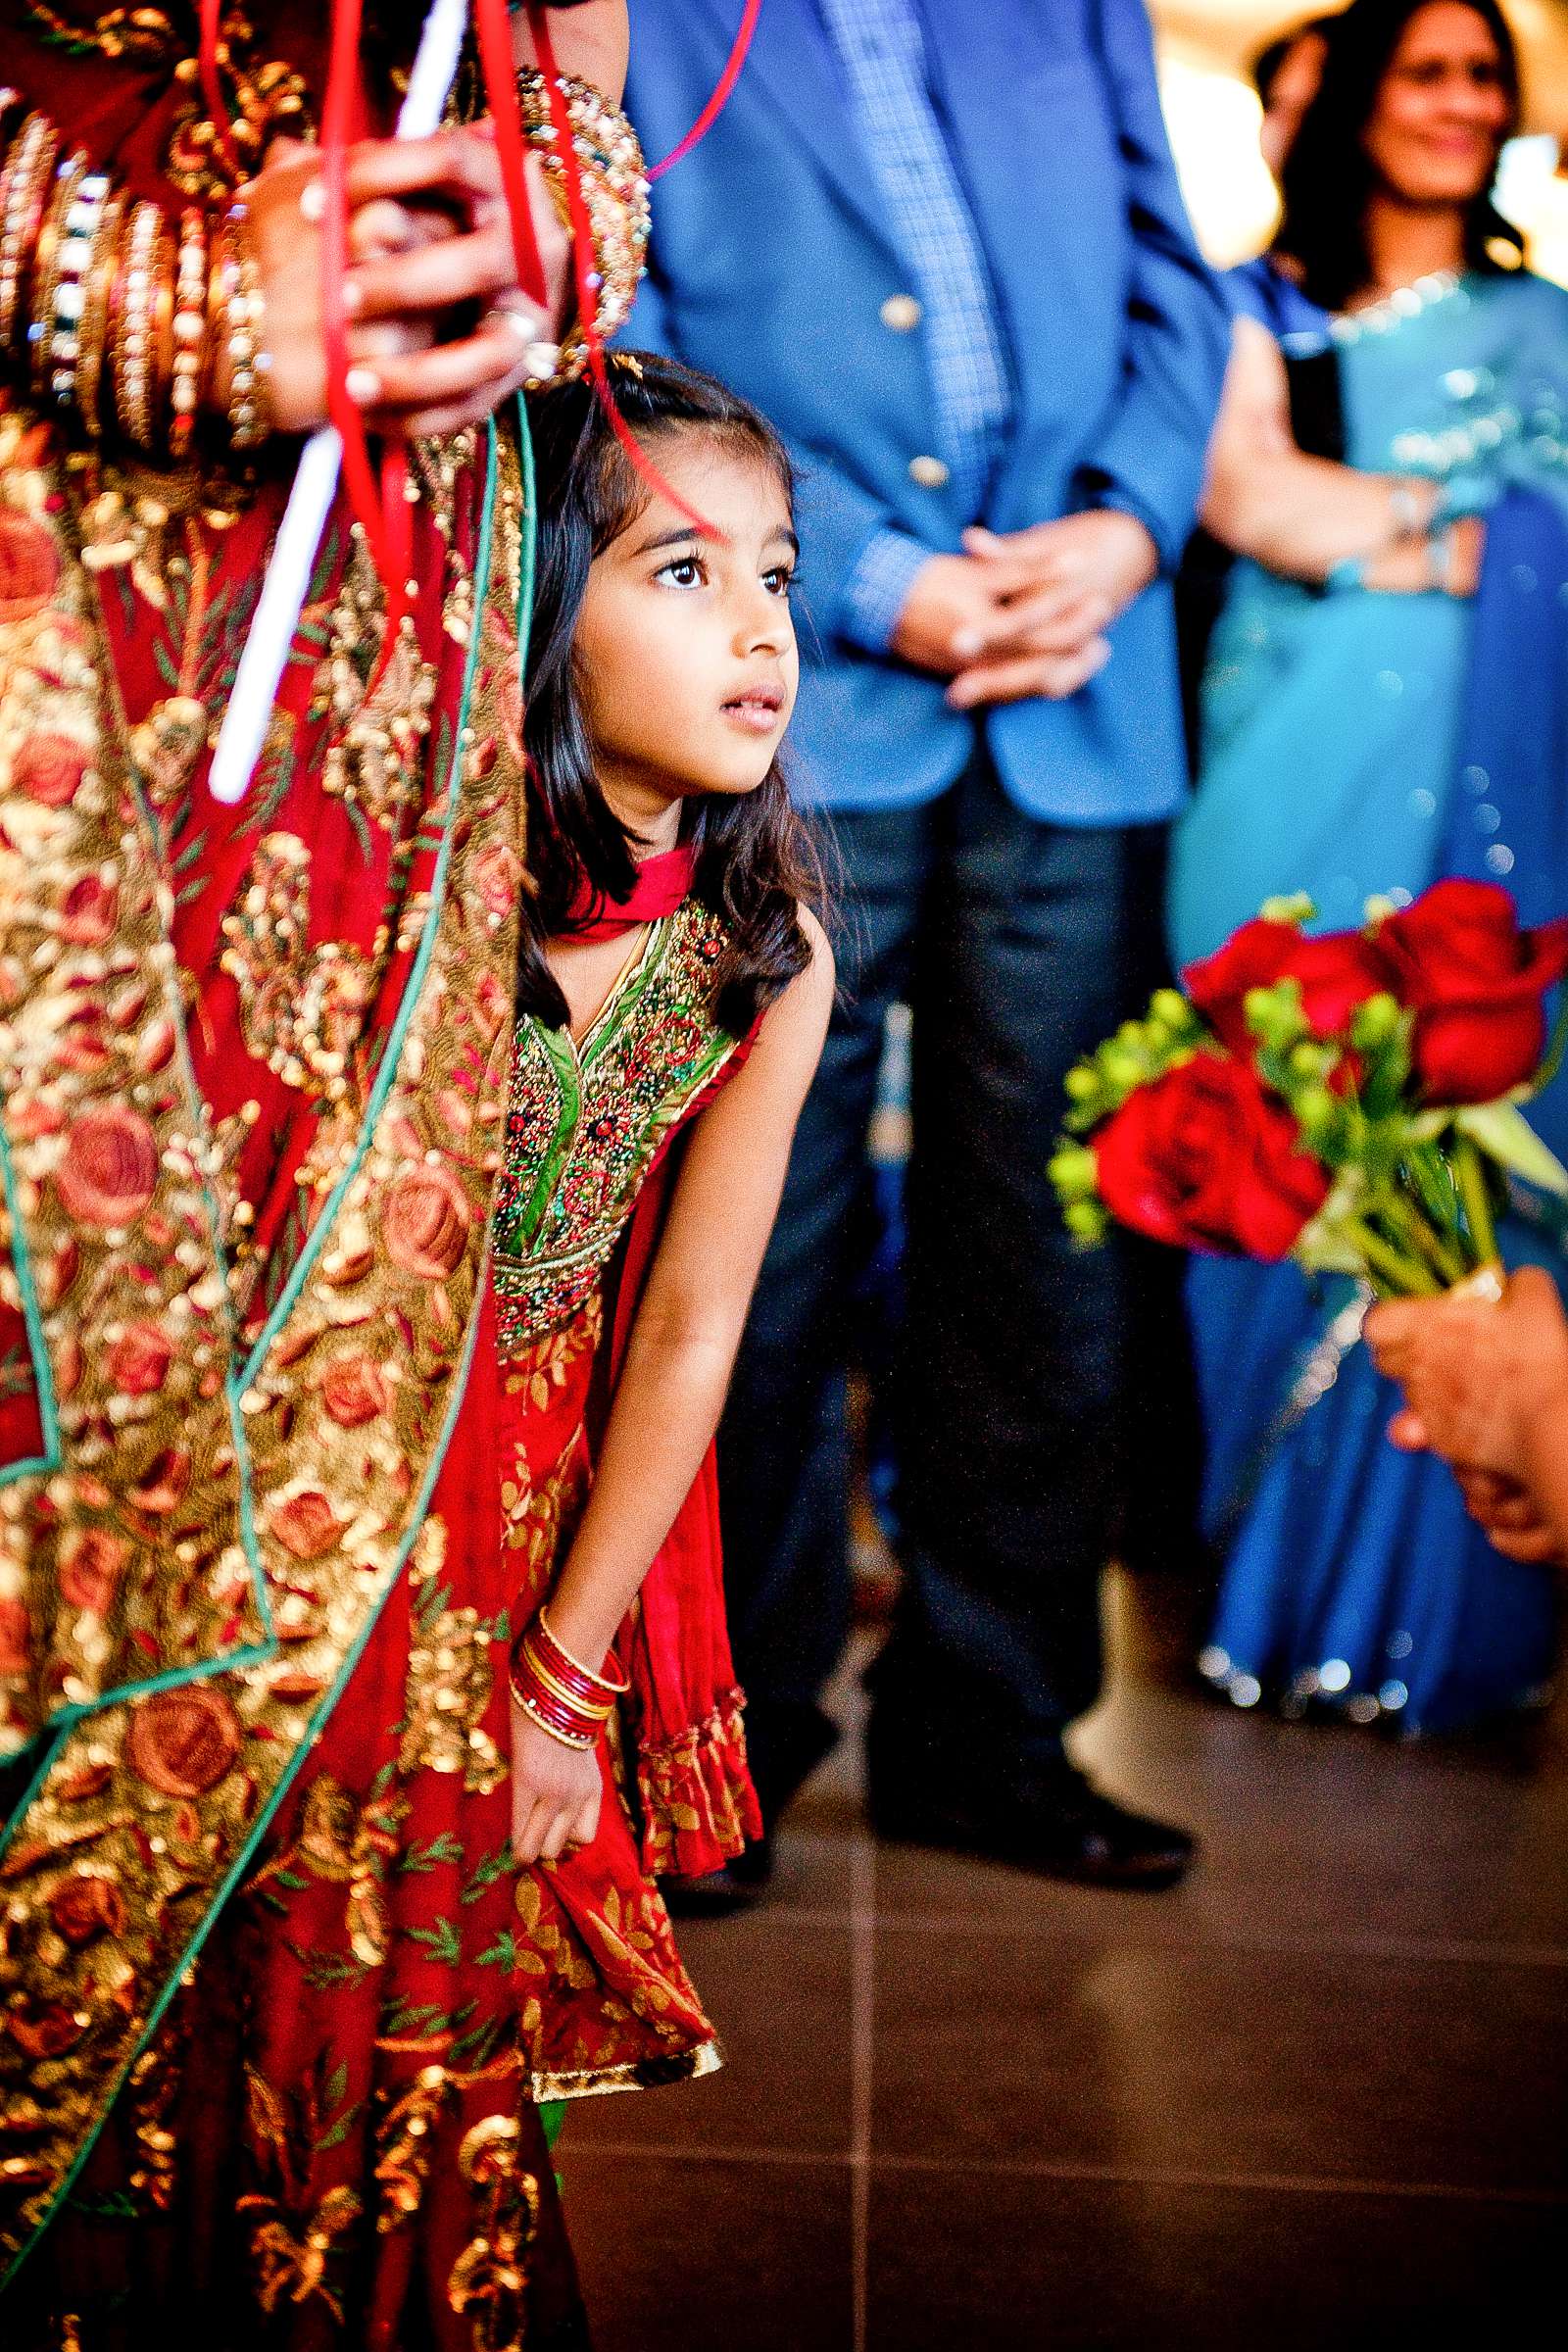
{"points": [[1384, 703]]}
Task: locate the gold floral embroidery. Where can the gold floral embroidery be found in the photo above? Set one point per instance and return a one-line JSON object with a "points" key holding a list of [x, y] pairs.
{"points": [[296, 2265], [451, 1680], [352, 1847], [489, 2279], [302, 1008], [406, 2143]]}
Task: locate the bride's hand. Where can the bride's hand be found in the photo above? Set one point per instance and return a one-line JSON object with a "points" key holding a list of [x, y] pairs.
{"points": [[556, 1793], [407, 198], [284, 204]]}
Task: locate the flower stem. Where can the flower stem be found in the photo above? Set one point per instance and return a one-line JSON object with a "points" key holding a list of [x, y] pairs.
{"points": [[1395, 1275], [1422, 1236], [1472, 1177]]}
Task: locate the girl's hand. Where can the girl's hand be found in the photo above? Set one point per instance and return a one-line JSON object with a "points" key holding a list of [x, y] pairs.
{"points": [[556, 1793]]}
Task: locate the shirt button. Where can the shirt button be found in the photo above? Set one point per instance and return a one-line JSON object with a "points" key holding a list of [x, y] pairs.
{"points": [[929, 472], [902, 312]]}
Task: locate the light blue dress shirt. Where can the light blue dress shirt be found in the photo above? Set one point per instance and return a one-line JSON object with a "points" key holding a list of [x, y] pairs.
{"points": [[881, 46]]}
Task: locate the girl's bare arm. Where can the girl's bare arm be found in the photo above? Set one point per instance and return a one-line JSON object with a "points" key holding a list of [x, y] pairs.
{"points": [[688, 1328]]}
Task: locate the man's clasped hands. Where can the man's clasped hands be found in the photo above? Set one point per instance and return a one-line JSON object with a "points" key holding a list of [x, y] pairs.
{"points": [[439, 330], [1025, 612]]}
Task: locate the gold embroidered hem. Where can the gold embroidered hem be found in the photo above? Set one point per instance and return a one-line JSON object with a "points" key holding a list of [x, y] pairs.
{"points": [[638, 2073]]}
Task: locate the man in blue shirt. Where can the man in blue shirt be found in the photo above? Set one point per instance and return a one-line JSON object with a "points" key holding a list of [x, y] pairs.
{"points": [[941, 244]]}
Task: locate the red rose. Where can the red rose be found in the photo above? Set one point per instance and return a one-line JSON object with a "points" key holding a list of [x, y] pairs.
{"points": [[426, 1220], [1337, 971], [498, 878], [306, 1523], [43, 2029], [355, 1389], [49, 768], [138, 1361], [1206, 1158], [108, 1171], [1476, 982]]}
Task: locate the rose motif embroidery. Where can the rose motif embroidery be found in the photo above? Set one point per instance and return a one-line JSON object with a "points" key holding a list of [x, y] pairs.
{"points": [[89, 912], [138, 1361], [29, 566], [426, 1221], [182, 1742], [498, 878], [355, 1389], [49, 768], [86, 1906], [109, 1168], [91, 1562], [306, 1523]]}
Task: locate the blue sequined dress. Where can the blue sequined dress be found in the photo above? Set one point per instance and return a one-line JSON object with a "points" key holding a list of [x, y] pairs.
{"points": [[1358, 744]]}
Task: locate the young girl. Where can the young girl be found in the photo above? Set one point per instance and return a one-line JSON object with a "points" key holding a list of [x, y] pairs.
{"points": [[454, 1917]]}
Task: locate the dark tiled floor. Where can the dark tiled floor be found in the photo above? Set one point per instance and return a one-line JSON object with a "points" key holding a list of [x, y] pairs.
{"points": [[1319, 2094]]}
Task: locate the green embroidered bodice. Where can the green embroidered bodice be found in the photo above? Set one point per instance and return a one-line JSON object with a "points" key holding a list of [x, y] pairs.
{"points": [[586, 1118]]}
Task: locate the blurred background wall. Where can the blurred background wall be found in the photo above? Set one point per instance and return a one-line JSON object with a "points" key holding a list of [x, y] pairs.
{"points": [[1207, 47]]}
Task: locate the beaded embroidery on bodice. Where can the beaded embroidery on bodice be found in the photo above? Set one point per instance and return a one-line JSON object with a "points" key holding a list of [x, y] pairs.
{"points": [[586, 1118]]}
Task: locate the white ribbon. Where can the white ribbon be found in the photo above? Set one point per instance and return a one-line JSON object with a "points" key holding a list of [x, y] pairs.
{"points": [[288, 575]]}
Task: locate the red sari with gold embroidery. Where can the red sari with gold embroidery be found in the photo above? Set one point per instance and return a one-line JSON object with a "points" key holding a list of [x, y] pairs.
{"points": [[274, 2005]]}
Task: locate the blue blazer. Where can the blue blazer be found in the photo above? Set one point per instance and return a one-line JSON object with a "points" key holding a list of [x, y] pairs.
{"points": [[772, 256]]}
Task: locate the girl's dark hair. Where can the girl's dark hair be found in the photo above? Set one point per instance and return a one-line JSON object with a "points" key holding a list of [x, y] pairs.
{"points": [[1327, 182], [755, 861]]}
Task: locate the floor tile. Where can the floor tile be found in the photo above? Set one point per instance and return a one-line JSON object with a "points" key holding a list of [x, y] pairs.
{"points": [[1315, 1832], [961, 2261], [1227, 2064], [692, 2256], [779, 1991]]}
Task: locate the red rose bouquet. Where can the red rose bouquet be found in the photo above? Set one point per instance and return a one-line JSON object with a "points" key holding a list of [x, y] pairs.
{"points": [[1351, 1101]]}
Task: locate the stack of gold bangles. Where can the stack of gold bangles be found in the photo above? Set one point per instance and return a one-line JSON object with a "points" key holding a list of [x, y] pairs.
{"points": [[114, 317], [127, 320], [561, 1695]]}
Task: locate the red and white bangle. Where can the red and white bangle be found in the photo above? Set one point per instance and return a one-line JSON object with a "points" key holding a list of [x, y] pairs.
{"points": [[564, 1697]]}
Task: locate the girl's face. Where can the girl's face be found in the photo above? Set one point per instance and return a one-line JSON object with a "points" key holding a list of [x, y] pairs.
{"points": [[1443, 110], [685, 649]]}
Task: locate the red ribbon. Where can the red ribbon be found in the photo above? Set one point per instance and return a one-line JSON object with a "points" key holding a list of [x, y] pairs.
{"points": [[582, 258], [721, 92], [501, 90]]}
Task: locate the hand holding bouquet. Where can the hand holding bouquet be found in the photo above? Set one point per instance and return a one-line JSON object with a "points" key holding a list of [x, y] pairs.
{"points": [[1351, 1101]]}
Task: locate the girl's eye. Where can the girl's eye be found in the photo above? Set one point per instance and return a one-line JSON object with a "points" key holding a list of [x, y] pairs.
{"points": [[778, 581], [686, 572]]}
